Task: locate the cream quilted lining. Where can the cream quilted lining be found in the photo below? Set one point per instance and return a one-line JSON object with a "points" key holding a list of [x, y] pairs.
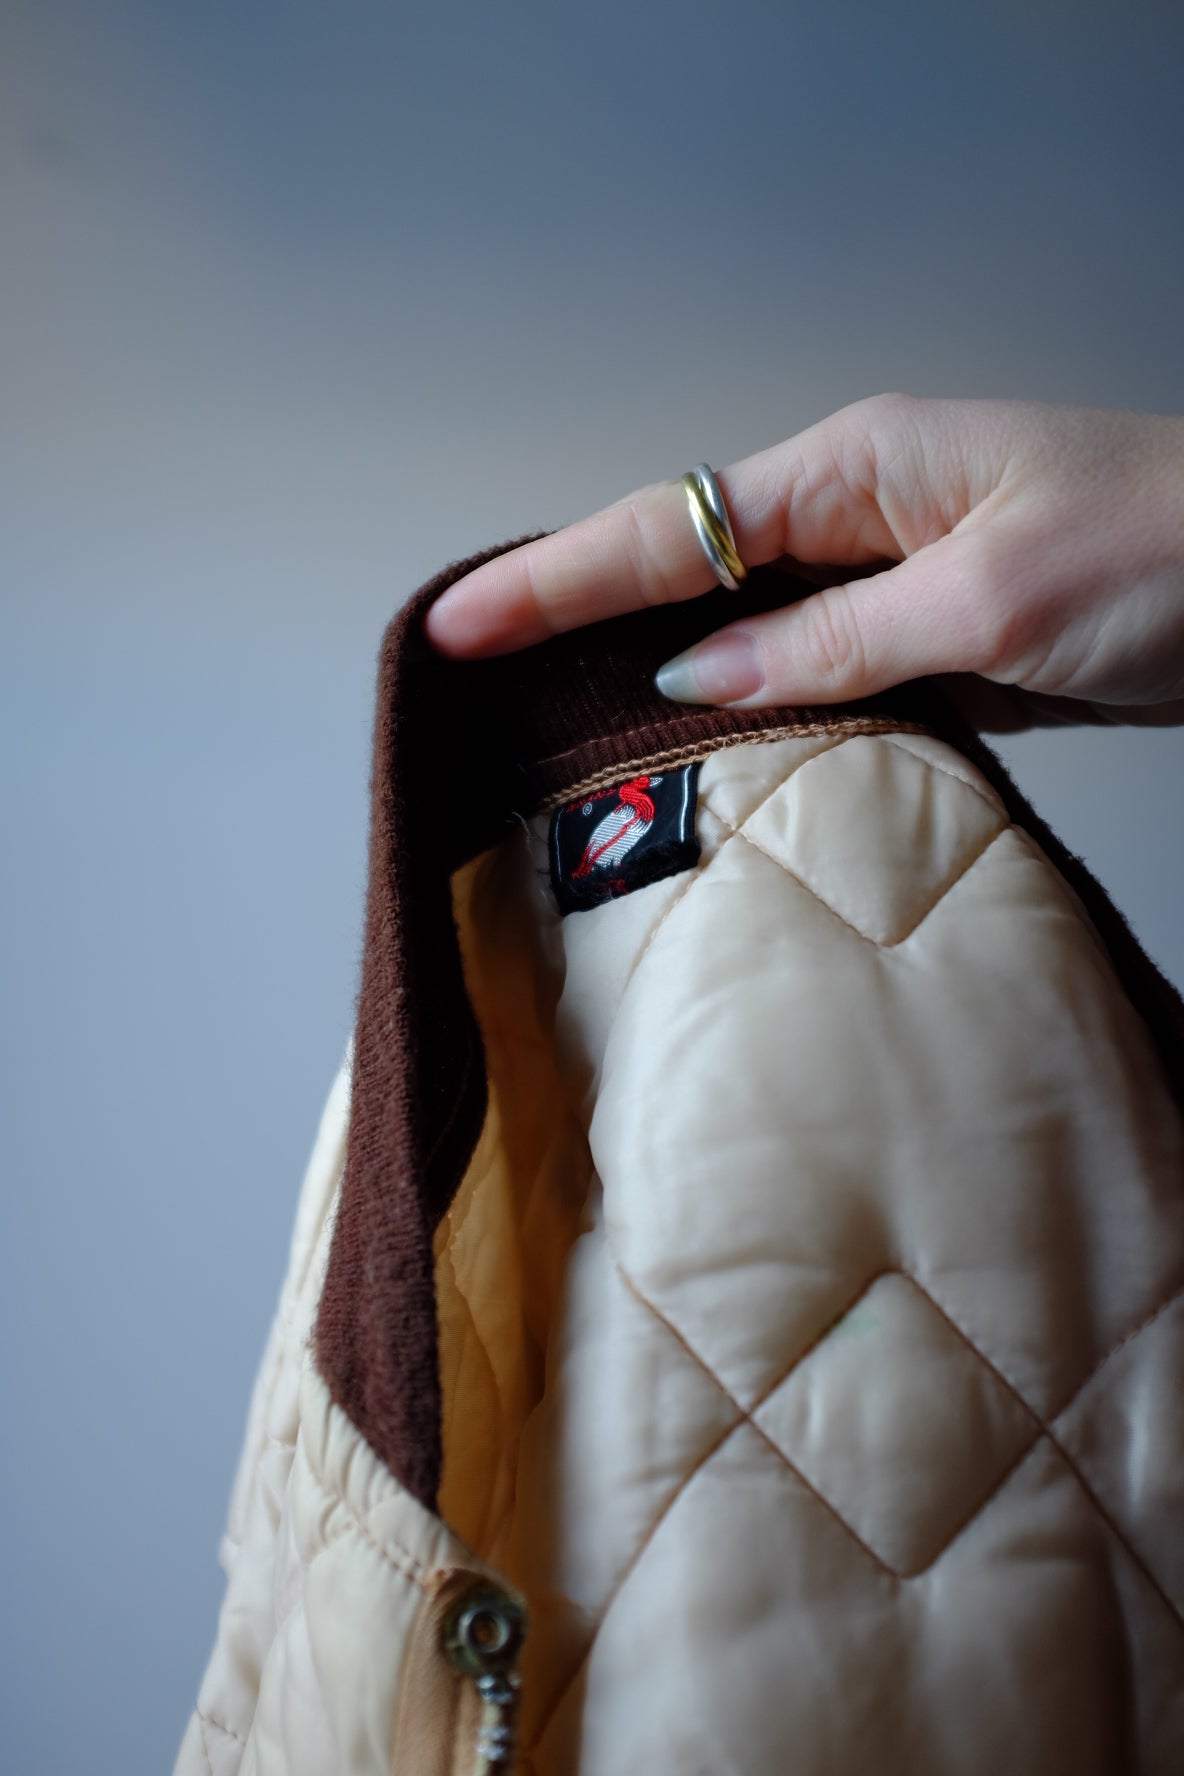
{"points": [[1033, 1430], [883, 840], [812, 1327]]}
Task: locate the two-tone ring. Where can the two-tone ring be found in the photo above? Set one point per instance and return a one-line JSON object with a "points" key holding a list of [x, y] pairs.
{"points": [[713, 527]]}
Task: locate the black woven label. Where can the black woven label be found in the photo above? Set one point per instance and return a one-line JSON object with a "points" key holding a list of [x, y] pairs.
{"points": [[614, 840]]}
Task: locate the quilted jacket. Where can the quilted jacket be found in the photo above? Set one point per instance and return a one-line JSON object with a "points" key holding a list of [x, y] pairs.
{"points": [[735, 1314]]}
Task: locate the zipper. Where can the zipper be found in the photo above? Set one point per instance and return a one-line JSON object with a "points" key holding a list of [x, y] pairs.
{"points": [[482, 1635]]}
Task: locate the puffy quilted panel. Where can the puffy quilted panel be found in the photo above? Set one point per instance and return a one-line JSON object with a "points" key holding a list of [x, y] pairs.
{"points": [[898, 1424], [1125, 1433], [915, 833], [859, 1439], [333, 1568], [886, 1158]]}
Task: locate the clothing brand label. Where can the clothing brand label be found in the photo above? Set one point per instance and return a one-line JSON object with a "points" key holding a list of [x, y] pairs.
{"points": [[614, 840]]}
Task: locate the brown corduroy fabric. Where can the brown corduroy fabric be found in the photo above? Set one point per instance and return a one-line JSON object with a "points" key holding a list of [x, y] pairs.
{"points": [[459, 749]]}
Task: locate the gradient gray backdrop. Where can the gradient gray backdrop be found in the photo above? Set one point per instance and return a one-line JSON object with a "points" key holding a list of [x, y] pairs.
{"points": [[299, 302]]}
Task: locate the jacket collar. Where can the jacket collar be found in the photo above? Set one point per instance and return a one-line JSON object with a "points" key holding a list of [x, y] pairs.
{"points": [[460, 750]]}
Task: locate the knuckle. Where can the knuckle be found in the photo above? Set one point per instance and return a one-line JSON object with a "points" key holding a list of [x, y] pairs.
{"points": [[654, 583], [874, 433], [881, 418], [996, 618], [830, 641], [890, 406], [539, 602]]}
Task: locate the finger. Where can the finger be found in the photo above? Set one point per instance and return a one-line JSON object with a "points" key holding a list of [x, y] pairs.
{"points": [[814, 497], [639, 552], [846, 642]]}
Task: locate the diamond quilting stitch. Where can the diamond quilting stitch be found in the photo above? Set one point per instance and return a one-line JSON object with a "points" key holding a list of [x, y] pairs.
{"points": [[911, 831], [898, 1424], [738, 780]]}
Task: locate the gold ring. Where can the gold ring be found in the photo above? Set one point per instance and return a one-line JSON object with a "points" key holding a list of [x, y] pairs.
{"points": [[713, 527]]}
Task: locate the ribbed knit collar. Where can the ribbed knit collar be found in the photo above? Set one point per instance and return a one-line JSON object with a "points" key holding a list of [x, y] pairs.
{"points": [[460, 749]]}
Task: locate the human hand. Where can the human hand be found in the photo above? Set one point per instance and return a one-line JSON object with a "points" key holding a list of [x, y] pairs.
{"points": [[1040, 547]]}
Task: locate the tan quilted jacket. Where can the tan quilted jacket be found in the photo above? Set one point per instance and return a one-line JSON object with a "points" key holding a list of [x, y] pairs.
{"points": [[733, 1324]]}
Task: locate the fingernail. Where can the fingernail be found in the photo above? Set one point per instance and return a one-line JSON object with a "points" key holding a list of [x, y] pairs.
{"points": [[722, 669]]}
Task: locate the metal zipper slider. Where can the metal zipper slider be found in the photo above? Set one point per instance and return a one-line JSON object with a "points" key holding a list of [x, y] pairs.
{"points": [[483, 1635]]}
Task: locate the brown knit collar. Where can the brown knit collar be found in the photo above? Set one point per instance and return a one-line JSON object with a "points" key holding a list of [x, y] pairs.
{"points": [[460, 749]]}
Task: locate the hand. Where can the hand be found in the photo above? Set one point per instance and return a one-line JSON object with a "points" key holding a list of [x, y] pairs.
{"points": [[1041, 547]]}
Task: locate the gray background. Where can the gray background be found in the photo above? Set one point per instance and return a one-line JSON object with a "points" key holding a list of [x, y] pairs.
{"points": [[298, 303]]}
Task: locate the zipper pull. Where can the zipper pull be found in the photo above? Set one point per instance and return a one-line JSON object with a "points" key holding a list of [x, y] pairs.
{"points": [[483, 1635]]}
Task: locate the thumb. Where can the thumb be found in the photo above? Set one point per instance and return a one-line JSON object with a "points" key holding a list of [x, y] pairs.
{"points": [[848, 641]]}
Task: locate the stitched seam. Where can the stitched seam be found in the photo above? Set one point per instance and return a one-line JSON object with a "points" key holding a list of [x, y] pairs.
{"points": [[1115, 1530], [1042, 1427], [269, 1440], [283, 1322], [1043, 1431], [404, 1563], [335, 1496], [1126, 1339], [791, 771], [330, 1541], [738, 832], [1059, 1446], [631, 1566], [949, 887], [423, 1578], [697, 874], [668, 1505], [799, 1357], [211, 1720], [848, 729], [205, 1745], [932, 764], [746, 1414], [1151, 1315], [807, 1351], [980, 1505], [491, 1532]]}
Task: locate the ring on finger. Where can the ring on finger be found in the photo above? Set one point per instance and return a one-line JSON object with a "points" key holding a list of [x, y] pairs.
{"points": [[713, 527]]}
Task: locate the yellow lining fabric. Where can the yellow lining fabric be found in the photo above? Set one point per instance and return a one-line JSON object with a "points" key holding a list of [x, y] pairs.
{"points": [[501, 1250]]}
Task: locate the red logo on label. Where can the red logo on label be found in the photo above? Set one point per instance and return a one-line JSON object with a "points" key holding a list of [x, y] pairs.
{"points": [[616, 834], [623, 837]]}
